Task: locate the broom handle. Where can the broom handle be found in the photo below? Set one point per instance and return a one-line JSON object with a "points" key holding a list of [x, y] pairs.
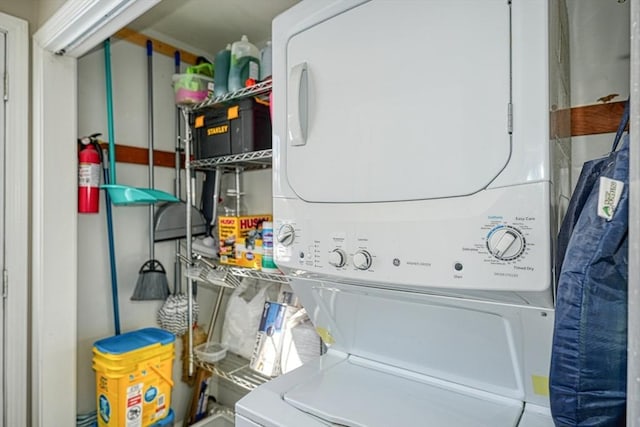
{"points": [[187, 165], [216, 312], [177, 271], [150, 124], [111, 131]]}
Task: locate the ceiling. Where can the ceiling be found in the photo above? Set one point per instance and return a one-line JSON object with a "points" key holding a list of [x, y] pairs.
{"points": [[209, 25]]}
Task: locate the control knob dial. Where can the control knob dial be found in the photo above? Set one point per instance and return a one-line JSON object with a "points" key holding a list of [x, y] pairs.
{"points": [[362, 260], [337, 258], [286, 235], [505, 243]]}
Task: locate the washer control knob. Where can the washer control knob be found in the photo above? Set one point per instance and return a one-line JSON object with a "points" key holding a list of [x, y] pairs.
{"points": [[286, 235], [362, 260], [506, 243], [337, 258]]}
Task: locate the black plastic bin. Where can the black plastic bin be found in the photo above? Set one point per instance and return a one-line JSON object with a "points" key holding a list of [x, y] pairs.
{"points": [[233, 129]]}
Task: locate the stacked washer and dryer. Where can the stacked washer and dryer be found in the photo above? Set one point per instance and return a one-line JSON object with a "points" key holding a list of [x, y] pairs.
{"points": [[419, 150]]}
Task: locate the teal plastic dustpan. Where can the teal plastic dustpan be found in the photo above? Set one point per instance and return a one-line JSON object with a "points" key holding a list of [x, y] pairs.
{"points": [[124, 194]]}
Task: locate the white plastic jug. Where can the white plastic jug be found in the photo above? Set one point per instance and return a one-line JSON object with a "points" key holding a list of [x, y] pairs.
{"points": [[245, 64]]}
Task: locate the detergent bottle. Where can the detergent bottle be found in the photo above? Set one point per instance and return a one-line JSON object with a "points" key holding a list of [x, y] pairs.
{"points": [[265, 62], [221, 77], [245, 64]]}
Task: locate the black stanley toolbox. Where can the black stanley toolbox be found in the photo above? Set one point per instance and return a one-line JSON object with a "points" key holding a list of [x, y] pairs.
{"points": [[232, 129]]}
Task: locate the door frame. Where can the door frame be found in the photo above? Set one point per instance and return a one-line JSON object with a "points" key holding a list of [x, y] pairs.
{"points": [[54, 199], [16, 205]]}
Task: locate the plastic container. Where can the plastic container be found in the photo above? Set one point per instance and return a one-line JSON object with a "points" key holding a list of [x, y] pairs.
{"points": [[210, 352], [221, 77], [215, 420], [265, 62], [229, 205], [192, 88], [245, 64], [204, 69], [134, 377], [267, 248], [169, 421], [234, 129]]}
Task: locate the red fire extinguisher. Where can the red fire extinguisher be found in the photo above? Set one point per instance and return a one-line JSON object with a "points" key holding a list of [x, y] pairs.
{"points": [[89, 167]]}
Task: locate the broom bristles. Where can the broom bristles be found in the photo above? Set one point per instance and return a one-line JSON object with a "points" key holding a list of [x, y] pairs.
{"points": [[151, 285]]}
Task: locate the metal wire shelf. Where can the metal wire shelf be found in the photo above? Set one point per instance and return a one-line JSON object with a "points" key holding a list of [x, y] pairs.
{"points": [[235, 369], [252, 160], [257, 274], [212, 278], [208, 272], [257, 89]]}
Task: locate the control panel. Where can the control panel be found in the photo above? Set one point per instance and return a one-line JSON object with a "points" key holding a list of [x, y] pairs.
{"points": [[503, 248]]}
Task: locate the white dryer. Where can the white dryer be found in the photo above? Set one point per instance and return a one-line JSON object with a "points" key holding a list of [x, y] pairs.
{"points": [[418, 151]]}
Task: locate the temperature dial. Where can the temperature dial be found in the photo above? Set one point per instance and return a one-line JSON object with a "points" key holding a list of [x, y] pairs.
{"points": [[362, 260], [505, 243], [286, 235], [337, 258]]}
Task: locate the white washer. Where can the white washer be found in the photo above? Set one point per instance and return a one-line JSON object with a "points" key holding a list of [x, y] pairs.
{"points": [[418, 147]]}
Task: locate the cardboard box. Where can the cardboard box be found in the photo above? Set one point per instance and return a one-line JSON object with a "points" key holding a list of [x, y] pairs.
{"points": [[267, 353], [241, 240]]}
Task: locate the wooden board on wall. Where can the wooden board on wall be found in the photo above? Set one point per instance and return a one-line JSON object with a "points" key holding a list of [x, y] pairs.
{"points": [[158, 46], [140, 156], [596, 119]]}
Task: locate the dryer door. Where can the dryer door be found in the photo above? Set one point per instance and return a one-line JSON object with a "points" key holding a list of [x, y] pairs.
{"points": [[399, 100]]}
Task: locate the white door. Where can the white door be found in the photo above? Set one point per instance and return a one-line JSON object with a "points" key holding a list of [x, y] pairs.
{"points": [[420, 115], [3, 98], [14, 219]]}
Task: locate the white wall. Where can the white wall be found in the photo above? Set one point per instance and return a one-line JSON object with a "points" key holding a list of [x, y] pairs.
{"points": [[21, 9], [46, 8], [34, 11], [599, 58]]}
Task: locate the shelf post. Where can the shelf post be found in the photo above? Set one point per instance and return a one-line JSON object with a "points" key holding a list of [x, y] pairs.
{"points": [[187, 168]]}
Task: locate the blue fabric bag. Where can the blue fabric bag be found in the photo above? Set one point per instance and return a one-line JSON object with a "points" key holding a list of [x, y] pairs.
{"points": [[589, 175], [589, 354]]}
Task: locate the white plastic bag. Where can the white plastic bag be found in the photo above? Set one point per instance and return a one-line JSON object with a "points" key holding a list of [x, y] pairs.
{"points": [[242, 316], [301, 342]]}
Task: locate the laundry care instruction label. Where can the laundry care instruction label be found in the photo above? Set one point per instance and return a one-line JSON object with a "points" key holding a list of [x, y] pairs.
{"points": [[609, 197], [134, 405]]}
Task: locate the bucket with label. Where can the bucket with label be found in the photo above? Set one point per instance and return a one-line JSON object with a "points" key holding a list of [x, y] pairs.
{"points": [[134, 377]]}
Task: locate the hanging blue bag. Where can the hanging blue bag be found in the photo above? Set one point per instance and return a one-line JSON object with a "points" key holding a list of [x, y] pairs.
{"points": [[589, 354], [589, 175]]}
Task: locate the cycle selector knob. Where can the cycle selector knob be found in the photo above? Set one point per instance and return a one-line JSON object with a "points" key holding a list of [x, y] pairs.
{"points": [[337, 258], [286, 235], [506, 243], [362, 260]]}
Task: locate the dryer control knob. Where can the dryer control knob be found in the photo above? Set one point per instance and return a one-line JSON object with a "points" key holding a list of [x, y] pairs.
{"points": [[337, 258], [362, 260], [286, 235], [505, 243]]}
